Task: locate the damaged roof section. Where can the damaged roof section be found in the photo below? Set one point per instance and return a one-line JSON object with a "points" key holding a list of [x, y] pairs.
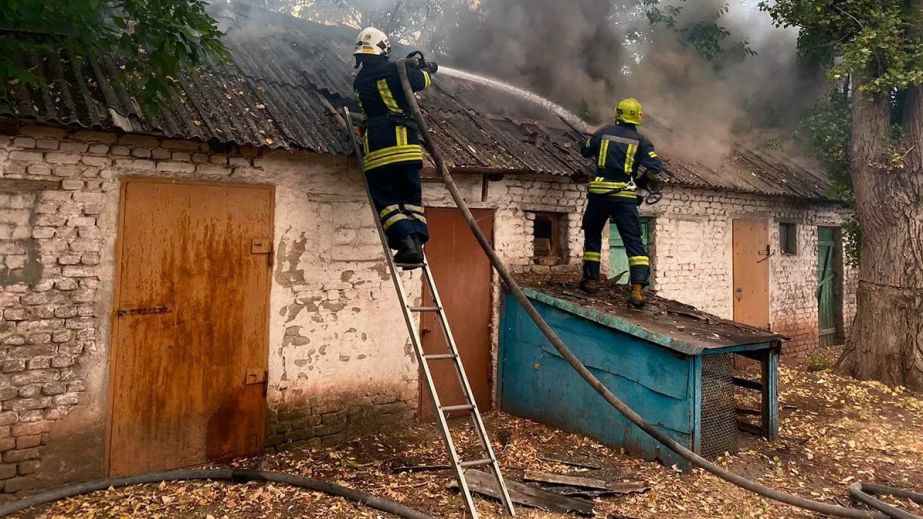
{"points": [[671, 324], [286, 84]]}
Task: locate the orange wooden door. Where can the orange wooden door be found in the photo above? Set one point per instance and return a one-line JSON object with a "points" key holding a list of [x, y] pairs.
{"points": [[751, 272], [190, 348], [463, 278]]}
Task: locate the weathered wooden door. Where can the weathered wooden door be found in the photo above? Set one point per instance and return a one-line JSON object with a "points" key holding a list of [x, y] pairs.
{"points": [[827, 276], [618, 259], [190, 348], [463, 276], [751, 272]]}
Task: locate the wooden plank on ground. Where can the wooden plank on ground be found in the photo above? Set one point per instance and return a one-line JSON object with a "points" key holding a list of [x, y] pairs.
{"points": [[572, 461], [484, 484], [560, 479]]}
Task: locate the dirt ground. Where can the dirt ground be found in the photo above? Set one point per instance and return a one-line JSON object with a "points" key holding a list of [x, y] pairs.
{"points": [[834, 431]]}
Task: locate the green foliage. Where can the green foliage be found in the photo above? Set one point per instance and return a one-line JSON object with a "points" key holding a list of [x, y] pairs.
{"points": [[852, 240], [702, 31], [155, 41], [583, 111], [850, 36], [829, 126], [818, 362]]}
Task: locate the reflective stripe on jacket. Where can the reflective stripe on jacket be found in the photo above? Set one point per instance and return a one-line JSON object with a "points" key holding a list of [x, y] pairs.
{"points": [[378, 90], [619, 151]]}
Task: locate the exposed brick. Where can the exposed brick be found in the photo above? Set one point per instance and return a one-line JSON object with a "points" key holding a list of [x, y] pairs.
{"points": [[29, 404], [66, 399], [62, 362], [119, 150], [180, 145], [212, 169], [29, 429], [41, 233], [161, 154], [38, 363], [28, 467], [15, 314], [87, 136], [28, 442], [74, 147], [39, 338], [26, 156], [78, 272], [33, 377], [20, 483], [47, 144], [98, 149], [135, 164], [81, 221], [72, 185], [30, 391], [7, 471], [24, 142], [8, 418], [138, 140], [62, 158], [200, 158], [175, 167], [54, 388], [7, 393], [141, 153], [15, 456], [39, 169], [65, 284]]}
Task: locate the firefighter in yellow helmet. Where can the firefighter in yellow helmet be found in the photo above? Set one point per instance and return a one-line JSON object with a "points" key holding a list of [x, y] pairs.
{"points": [[620, 152], [393, 154]]}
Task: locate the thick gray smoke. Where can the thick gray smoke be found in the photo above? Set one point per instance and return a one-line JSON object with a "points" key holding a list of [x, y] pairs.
{"points": [[567, 51], [579, 51]]}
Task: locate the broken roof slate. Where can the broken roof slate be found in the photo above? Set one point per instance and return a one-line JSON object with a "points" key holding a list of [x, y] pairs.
{"points": [[285, 86]]}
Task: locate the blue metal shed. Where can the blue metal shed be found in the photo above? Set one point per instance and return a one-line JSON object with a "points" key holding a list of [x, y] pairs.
{"points": [[670, 363]]}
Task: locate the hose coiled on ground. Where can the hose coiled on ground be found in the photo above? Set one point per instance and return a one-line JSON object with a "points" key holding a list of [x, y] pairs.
{"points": [[235, 476]]}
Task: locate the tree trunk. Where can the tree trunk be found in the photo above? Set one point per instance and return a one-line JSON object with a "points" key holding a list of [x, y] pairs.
{"points": [[886, 339]]}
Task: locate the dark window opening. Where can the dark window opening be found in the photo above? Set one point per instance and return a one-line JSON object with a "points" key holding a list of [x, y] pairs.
{"points": [[788, 238], [548, 238]]}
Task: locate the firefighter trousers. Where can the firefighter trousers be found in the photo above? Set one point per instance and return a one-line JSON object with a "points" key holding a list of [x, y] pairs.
{"points": [[398, 198], [624, 214]]}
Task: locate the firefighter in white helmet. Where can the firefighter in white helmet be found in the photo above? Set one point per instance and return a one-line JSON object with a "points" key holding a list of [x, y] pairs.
{"points": [[393, 155]]}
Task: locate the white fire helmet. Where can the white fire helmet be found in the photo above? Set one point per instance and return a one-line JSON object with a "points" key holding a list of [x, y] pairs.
{"points": [[372, 41]]}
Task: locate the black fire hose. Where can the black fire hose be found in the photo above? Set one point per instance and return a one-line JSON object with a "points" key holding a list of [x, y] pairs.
{"points": [[614, 401], [235, 476]]}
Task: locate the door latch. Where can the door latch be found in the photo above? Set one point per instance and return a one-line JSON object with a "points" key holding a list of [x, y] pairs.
{"points": [[739, 293], [150, 310], [257, 376]]}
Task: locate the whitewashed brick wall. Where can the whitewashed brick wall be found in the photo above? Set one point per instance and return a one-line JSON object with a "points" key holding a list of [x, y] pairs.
{"points": [[340, 360], [693, 260]]}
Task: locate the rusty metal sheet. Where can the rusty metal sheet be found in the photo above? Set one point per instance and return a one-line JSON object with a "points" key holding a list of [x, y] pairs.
{"points": [[190, 341]]}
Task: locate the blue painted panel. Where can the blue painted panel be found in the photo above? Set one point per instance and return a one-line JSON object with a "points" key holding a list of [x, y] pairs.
{"points": [[537, 384], [658, 369]]}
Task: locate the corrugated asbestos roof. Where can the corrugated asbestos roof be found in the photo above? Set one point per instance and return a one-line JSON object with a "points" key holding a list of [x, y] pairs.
{"points": [[285, 87]]}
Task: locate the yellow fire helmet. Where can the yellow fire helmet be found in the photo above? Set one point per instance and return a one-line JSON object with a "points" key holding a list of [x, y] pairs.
{"points": [[629, 111], [372, 41]]}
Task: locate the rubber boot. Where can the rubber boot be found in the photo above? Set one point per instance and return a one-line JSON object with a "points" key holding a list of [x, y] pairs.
{"points": [[637, 296], [408, 252], [589, 286]]}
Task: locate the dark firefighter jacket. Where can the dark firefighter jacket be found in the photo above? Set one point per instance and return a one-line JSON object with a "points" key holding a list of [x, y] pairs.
{"points": [[619, 151], [390, 137]]}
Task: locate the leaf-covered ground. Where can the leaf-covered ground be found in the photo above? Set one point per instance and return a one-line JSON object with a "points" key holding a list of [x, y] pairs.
{"points": [[834, 431]]}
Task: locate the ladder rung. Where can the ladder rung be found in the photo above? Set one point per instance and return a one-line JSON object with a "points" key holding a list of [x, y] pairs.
{"points": [[453, 408], [440, 356], [475, 463], [410, 266], [425, 309]]}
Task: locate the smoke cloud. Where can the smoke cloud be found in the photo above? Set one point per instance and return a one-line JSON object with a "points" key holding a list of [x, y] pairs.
{"points": [[600, 51]]}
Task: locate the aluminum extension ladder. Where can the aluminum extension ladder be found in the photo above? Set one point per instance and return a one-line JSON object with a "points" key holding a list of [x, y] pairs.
{"points": [[470, 406]]}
